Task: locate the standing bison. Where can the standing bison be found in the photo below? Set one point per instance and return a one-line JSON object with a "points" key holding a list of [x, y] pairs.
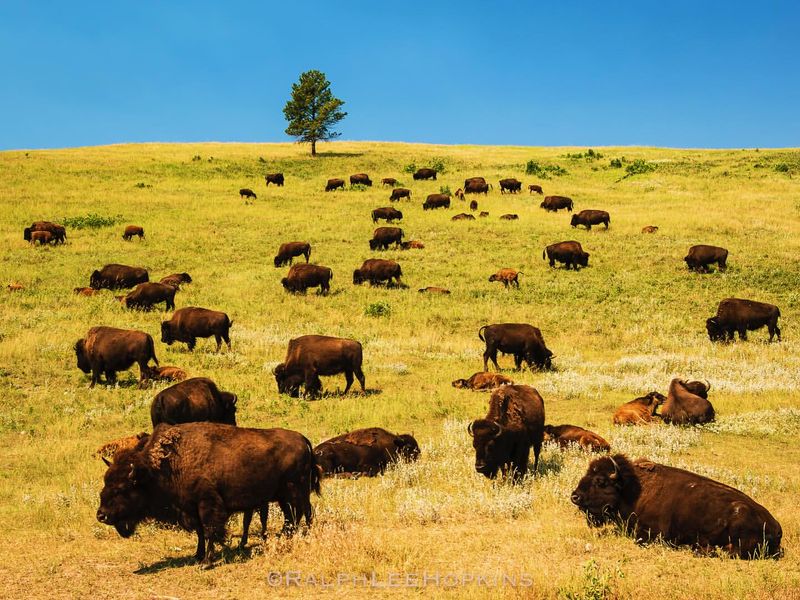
{"points": [[587, 218], [398, 193], [247, 193], [503, 438], [288, 251], [131, 231], [510, 185], [687, 404], [524, 341], [176, 280], [477, 187], [113, 277], [383, 236], [556, 203], [106, 350], [535, 188], [436, 201], [310, 356], [276, 178], [390, 181], [376, 271], [188, 324], [700, 256], [360, 179], [334, 184], [425, 174], [145, 295], [365, 451], [738, 315], [387, 213], [506, 277], [655, 501], [196, 399], [58, 232], [303, 276], [570, 253]]}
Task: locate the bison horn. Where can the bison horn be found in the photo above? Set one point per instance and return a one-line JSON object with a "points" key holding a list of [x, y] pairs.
{"points": [[105, 460], [469, 429], [616, 468], [708, 385], [499, 430]]}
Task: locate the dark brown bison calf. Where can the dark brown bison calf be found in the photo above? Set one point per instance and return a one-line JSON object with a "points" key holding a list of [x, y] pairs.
{"points": [[535, 188], [188, 324], [247, 193], [132, 230], [365, 451]]}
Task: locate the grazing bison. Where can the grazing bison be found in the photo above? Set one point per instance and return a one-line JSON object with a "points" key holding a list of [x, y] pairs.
{"points": [[387, 213], [132, 230], [390, 181], [484, 213], [197, 475], [412, 244], [587, 218], [288, 251], [524, 341], [115, 276], [377, 270], [510, 185], [570, 253], [85, 291], [469, 180], [507, 276], [196, 399], [432, 289], [58, 232], [685, 407], [556, 203], [190, 323], [473, 205], [436, 201], [462, 217], [334, 184], [701, 256], [276, 178], [145, 295], [535, 188], [477, 187], [165, 373], [459, 194], [655, 501], [247, 193], [570, 435], [425, 174], [365, 451], [310, 356], [650, 229], [108, 350], [15, 287], [738, 315], [360, 179], [176, 280], [303, 276], [483, 380], [383, 236], [503, 439], [639, 411], [398, 193], [43, 237], [509, 217]]}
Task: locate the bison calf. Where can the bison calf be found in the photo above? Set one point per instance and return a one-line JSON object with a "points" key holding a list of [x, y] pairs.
{"points": [[639, 411], [365, 451], [131, 231], [247, 193], [483, 380], [507, 277], [572, 435]]}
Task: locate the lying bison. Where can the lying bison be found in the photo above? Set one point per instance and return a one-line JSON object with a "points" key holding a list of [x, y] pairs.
{"points": [[196, 399], [436, 201], [310, 356], [131, 231], [288, 251], [572, 435], [425, 174], [503, 438], [570, 253], [360, 179], [650, 229], [334, 184], [524, 341], [303, 276], [587, 218], [85, 291], [399, 193], [197, 475], [146, 295], [556, 203], [188, 324], [376, 271], [383, 236], [509, 217], [165, 373], [738, 315], [510, 185], [687, 404], [365, 451], [700, 256], [108, 350], [276, 178], [462, 217], [412, 245], [387, 213], [655, 501], [483, 380], [434, 289], [639, 411], [506, 277], [113, 277]]}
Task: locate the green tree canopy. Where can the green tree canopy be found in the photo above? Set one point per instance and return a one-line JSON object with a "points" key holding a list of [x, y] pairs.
{"points": [[313, 110]]}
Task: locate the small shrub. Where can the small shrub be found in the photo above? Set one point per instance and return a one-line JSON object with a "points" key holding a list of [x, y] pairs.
{"points": [[588, 155], [261, 159], [544, 171], [437, 164], [196, 157], [378, 309], [142, 185], [410, 168], [596, 584], [444, 189], [90, 221], [616, 163], [639, 167], [782, 168]]}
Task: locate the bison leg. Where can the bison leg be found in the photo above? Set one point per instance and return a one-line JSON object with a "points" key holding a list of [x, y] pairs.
{"points": [[263, 514], [774, 330], [212, 522], [218, 338], [291, 517], [360, 376], [111, 377], [552, 263], [348, 377], [191, 343], [518, 362], [742, 334], [170, 303], [519, 465], [246, 519], [201, 544], [490, 353]]}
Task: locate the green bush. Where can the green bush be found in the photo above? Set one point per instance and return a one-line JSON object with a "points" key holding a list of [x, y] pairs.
{"points": [[437, 164], [639, 167], [544, 171], [90, 221], [359, 187], [142, 185], [410, 168], [588, 155], [444, 189], [378, 309], [616, 163], [782, 168]]}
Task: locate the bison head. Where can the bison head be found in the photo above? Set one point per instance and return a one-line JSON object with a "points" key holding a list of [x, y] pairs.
{"points": [[698, 388], [286, 285], [575, 221], [715, 332], [460, 383], [358, 277], [407, 446], [287, 383], [494, 278], [167, 335], [583, 259], [373, 244], [186, 278], [228, 408], [83, 358], [609, 488], [124, 498], [278, 261], [26, 233], [95, 280], [492, 447]]}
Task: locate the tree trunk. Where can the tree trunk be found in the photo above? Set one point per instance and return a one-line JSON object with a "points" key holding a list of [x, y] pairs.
{"points": [[313, 147]]}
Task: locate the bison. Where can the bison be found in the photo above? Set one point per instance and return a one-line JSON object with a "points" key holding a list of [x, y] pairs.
{"points": [[650, 229], [115, 277], [43, 237], [462, 217], [570, 253], [739, 315], [701, 256], [387, 213], [524, 341], [425, 174], [334, 184], [639, 411], [276, 178], [390, 181], [507, 276], [132, 230], [197, 475], [377, 270], [477, 187], [510, 185], [469, 180], [655, 501], [247, 193], [509, 217], [58, 232], [412, 245], [459, 194], [687, 404], [398, 193], [503, 438], [383, 236], [556, 203], [587, 218], [176, 280], [165, 373], [188, 324], [108, 451], [310, 356], [535, 188], [432, 289], [196, 399], [473, 205], [572, 435], [145, 295], [107, 350], [303, 276], [365, 451], [484, 213], [483, 380], [436, 201], [360, 179], [85, 291], [289, 250]]}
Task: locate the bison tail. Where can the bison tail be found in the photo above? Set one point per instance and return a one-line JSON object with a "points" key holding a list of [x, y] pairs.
{"points": [[480, 333], [315, 472], [151, 350], [543, 253]]}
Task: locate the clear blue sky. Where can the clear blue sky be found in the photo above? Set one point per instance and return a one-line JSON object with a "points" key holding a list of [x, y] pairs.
{"points": [[665, 73]]}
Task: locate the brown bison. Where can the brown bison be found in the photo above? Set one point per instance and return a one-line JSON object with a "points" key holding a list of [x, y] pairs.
{"points": [[412, 245], [459, 194], [425, 174], [655, 501], [377, 270], [398, 193], [436, 201], [524, 341], [176, 280], [686, 404], [507, 277], [390, 181], [387, 213], [510, 185], [334, 184], [360, 179], [145, 295], [132, 230], [701, 256], [535, 188], [473, 205], [58, 232], [650, 229], [483, 380], [469, 180], [556, 203], [288, 251], [432, 289], [572, 435], [85, 291], [196, 399], [570, 253], [197, 475], [365, 451], [587, 218], [15, 287], [115, 276], [738, 315], [462, 217], [42, 237], [303, 276], [383, 236], [276, 178], [106, 350], [310, 356], [503, 438], [477, 187], [484, 213], [639, 411], [247, 193], [188, 324], [108, 451], [165, 373], [509, 217]]}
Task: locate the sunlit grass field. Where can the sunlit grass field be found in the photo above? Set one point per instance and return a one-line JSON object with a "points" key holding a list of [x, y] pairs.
{"points": [[624, 326]]}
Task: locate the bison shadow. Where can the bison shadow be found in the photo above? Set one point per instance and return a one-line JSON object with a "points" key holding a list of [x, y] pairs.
{"points": [[339, 154], [167, 563], [339, 393]]}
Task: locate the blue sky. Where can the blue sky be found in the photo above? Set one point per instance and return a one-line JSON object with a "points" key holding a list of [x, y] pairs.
{"points": [[663, 73]]}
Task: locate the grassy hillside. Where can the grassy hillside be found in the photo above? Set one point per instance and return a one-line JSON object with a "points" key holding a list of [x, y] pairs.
{"points": [[625, 326]]}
